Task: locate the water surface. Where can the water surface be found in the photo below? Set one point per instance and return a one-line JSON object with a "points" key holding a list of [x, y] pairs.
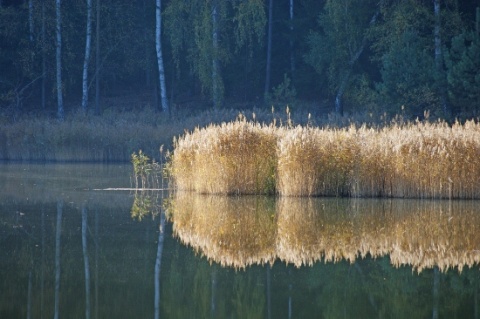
{"points": [[71, 249]]}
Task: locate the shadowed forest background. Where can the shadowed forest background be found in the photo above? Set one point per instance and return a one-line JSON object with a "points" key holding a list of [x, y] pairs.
{"points": [[388, 56]]}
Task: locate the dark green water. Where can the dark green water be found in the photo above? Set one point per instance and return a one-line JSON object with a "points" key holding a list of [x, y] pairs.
{"points": [[76, 252]]}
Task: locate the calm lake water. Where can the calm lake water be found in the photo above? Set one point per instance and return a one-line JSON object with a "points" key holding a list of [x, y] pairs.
{"points": [[70, 248]]}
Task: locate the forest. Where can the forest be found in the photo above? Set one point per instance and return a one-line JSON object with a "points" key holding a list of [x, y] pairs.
{"points": [[408, 57]]}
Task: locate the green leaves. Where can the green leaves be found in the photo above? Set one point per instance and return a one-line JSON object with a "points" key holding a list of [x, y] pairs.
{"points": [[463, 63]]}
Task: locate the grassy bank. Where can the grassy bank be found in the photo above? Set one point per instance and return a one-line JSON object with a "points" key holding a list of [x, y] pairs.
{"points": [[415, 160], [112, 137]]}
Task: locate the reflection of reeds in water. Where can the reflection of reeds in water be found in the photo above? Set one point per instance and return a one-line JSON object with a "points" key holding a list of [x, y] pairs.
{"points": [[418, 160], [438, 236], [242, 231], [422, 234], [233, 231]]}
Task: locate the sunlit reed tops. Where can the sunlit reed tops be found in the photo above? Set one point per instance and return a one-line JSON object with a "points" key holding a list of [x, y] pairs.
{"points": [[418, 160]]}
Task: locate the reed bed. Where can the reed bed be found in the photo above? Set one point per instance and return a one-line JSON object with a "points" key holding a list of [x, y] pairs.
{"points": [[234, 158], [414, 160]]}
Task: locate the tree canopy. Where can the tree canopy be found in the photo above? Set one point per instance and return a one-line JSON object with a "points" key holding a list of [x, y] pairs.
{"points": [[353, 56]]}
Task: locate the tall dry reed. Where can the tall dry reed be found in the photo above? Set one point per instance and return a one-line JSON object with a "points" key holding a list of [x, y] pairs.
{"points": [[415, 160], [313, 161], [232, 158]]}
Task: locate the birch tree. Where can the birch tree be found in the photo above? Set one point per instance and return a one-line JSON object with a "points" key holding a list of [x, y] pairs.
{"points": [[218, 27], [58, 234], [269, 49], [215, 63], [58, 57], [161, 70], [462, 61], [86, 61], [440, 79], [30, 20], [336, 48], [158, 265], [97, 60], [44, 57], [292, 54], [86, 262]]}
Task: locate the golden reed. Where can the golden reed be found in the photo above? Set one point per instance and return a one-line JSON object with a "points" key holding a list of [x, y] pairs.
{"points": [[415, 160]]}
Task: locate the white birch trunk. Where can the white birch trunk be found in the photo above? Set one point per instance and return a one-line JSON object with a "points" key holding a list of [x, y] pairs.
{"points": [[29, 295], [161, 69], [58, 233], [85, 260], [158, 266], [44, 58], [438, 39], [269, 48], [97, 61], [215, 68], [87, 57], [292, 55], [30, 19], [438, 54], [58, 56]]}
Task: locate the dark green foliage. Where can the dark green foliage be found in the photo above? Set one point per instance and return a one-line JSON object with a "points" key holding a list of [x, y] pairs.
{"points": [[407, 76], [463, 65], [375, 56]]}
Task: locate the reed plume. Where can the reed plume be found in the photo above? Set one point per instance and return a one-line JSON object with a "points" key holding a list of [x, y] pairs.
{"points": [[414, 160]]}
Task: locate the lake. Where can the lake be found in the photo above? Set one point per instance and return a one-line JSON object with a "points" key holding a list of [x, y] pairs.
{"points": [[71, 249]]}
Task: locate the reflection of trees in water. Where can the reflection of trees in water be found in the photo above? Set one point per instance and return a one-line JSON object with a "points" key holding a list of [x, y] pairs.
{"points": [[50, 244], [158, 265], [86, 260], [191, 287], [58, 232], [240, 231]]}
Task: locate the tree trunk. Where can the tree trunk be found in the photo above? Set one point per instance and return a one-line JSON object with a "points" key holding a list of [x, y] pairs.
{"points": [[292, 54], [269, 48], [438, 56], [30, 20], [87, 57], [475, 287], [269, 291], [42, 270], [146, 40], [29, 295], [436, 284], [97, 248], [97, 61], [58, 232], [346, 77], [213, 300], [340, 91], [44, 58], [290, 294], [58, 55], [85, 260], [161, 70], [158, 265], [215, 66]]}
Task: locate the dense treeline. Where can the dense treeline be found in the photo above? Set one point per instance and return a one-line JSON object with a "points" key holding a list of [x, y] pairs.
{"points": [[387, 56]]}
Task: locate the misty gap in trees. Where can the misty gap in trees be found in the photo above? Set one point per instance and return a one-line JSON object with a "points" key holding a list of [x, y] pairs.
{"points": [[358, 56]]}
